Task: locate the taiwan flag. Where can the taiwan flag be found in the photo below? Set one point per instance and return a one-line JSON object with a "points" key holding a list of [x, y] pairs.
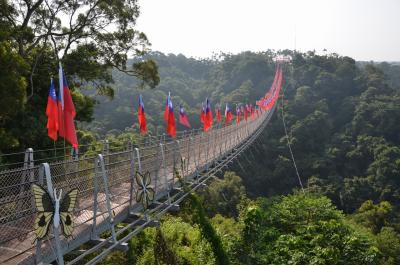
{"points": [[52, 113], [166, 112], [228, 115], [183, 118], [169, 112], [208, 116], [66, 112], [142, 116], [218, 111]]}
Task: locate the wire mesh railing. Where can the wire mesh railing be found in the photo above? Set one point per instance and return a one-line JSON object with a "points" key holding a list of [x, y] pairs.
{"points": [[107, 186]]}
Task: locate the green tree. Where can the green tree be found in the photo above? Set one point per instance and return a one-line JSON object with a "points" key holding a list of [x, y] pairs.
{"points": [[302, 229], [182, 242], [223, 195], [93, 38], [388, 241], [12, 90], [374, 216]]}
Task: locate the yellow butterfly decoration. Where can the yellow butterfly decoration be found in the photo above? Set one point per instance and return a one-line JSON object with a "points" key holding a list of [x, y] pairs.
{"points": [[49, 211]]}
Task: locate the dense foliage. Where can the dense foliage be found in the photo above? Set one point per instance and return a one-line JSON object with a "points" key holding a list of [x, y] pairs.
{"points": [[90, 38], [295, 229], [343, 130]]}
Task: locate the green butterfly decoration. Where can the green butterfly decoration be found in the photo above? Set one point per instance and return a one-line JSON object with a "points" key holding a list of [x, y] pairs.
{"points": [[145, 193]]}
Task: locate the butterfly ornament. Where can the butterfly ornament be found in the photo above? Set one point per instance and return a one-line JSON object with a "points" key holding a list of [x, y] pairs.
{"points": [[145, 192], [59, 211]]}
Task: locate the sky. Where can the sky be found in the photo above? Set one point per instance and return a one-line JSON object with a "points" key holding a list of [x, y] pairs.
{"points": [[362, 29]]}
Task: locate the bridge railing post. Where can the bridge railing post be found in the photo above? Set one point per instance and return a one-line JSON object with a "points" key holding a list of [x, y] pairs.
{"points": [[44, 173], [241, 133], [220, 141], [164, 166], [224, 137], [139, 161], [224, 140], [199, 143], [214, 142], [191, 151], [157, 170], [131, 173], [185, 169], [100, 170], [162, 138], [106, 151], [208, 148], [107, 194], [38, 252], [175, 155], [28, 174], [94, 235], [236, 135]]}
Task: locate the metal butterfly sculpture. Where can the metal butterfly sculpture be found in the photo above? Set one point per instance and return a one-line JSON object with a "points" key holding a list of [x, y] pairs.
{"points": [[145, 193], [56, 211]]}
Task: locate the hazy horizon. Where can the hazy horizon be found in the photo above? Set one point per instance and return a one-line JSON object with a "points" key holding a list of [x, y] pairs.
{"points": [[366, 30]]}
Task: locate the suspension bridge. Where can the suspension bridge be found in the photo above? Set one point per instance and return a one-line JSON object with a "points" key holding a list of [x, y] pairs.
{"points": [[108, 191]]}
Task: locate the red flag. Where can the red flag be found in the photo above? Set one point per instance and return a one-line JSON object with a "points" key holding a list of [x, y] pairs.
{"points": [[166, 112], [66, 112], [142, 116], [228, 115], [208, 116], [251, 111], [183, 118], [218, 115], [52, 113], [171, 127]]}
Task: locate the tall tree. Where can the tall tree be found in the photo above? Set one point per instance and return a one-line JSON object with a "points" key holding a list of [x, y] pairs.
{"points": [[90, 38]]}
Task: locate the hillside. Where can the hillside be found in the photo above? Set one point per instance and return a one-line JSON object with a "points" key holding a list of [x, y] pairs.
{"points": [[343, 126], [342, 120], [235, 79]]}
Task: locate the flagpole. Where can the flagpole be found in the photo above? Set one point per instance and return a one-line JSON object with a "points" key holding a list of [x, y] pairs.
{"points": [[54, 141], [55, 150], [61, 92]]}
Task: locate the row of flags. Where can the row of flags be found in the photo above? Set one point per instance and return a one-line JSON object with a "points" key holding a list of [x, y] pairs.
{"points": [[61, 112], [206, 115], [272, 94]]}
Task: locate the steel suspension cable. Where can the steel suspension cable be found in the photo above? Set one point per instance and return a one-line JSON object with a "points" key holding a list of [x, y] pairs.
{"points": [[288, 141]]}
